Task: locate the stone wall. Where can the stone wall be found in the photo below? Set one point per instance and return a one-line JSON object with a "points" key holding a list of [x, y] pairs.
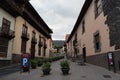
{"points": [[16, 58], [5, 63], [111, 9], [102, 60]]}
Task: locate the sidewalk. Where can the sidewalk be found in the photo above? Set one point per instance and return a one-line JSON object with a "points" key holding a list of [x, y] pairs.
{"points": [[9, 66], [77, 72]]}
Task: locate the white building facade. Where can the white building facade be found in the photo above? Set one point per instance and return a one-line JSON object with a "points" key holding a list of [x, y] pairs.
{"points": [[7, 26]]}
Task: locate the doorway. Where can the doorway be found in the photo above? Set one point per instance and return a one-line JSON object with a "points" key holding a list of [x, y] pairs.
{"points": [[32, 50], [84, 54]]}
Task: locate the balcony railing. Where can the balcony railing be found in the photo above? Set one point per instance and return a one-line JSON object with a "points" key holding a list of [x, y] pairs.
{"points": [[34, 40], [9, 35], [25, 36], [40, 44]]}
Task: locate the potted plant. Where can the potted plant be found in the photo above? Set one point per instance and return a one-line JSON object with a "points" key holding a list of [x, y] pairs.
{"points": [[65, 66], [33, 64], [39, 62], [46, 68]]}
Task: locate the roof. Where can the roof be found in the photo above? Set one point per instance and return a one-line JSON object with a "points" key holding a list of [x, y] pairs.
{"points": [[31, 15], [80, 17], [15, 8]]}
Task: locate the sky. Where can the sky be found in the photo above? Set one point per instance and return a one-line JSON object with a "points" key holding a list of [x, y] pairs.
{"points": [[59, 15]]}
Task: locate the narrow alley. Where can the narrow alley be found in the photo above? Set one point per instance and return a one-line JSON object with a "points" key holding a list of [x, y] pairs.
{"points": [[77, 72]]}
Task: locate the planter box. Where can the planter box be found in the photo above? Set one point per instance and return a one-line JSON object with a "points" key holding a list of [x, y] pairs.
{"points": [[65, 70], [46, 71]]}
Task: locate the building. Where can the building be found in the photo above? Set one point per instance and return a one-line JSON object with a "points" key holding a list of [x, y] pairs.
{"points": [[50, 49], [32, 35], [96, 33], [66, 45], [7, 32]]}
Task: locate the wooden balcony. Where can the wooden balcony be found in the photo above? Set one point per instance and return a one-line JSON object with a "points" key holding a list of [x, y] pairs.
{"points": [[34, 40], [25, 36], [40, 44], [10, 34]]}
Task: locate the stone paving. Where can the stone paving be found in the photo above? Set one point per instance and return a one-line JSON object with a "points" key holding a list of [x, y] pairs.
{"points": [[77, 72]]}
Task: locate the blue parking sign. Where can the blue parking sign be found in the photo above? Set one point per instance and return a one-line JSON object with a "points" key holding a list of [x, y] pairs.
{"points": [[25, 62]]}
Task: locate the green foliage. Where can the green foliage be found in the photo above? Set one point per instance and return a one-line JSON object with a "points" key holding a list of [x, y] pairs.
{"points": [[57, 47], [39, 62], [48, 59], [46, 65], [65, 64], [33, 62], [57, 58]]}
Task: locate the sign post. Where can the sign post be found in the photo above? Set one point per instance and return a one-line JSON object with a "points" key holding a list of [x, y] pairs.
{"points": [[111, 62], [25, 62]]}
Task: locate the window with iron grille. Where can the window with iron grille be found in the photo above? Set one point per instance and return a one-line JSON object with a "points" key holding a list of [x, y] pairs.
{"points": [[6, 26], [98, 7]]}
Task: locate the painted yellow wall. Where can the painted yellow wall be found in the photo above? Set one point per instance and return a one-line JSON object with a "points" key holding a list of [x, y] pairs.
{"points": [[17, 40], [48, 47]]}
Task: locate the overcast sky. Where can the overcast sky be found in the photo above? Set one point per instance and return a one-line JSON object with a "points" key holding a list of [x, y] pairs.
{"points": [[59, 15]]}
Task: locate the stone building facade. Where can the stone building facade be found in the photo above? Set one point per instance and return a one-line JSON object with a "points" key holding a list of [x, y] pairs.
{"points": [[96, 33]]}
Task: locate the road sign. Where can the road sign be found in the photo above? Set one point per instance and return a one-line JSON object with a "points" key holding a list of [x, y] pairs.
{"points": [[25, 62], [111, 62]]}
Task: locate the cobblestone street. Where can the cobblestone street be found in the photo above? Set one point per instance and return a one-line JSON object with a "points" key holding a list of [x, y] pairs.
{"points": [[77, 72]]}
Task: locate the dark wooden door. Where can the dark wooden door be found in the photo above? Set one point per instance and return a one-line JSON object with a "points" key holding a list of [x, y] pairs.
{"points": [[32, 50], [84, 54]]}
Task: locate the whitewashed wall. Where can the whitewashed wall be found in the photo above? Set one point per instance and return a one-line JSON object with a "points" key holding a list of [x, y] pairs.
{"points": [[6, 15]]}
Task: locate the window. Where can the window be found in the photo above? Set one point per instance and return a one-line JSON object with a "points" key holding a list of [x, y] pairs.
{"points": [[39, 51], [75, 40], [39, 46], [97, 42], [33, 35], [34, 40], [83, 26], [76, 37], [24, 41], [24, 29], [98, 7], [5, 26]]}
